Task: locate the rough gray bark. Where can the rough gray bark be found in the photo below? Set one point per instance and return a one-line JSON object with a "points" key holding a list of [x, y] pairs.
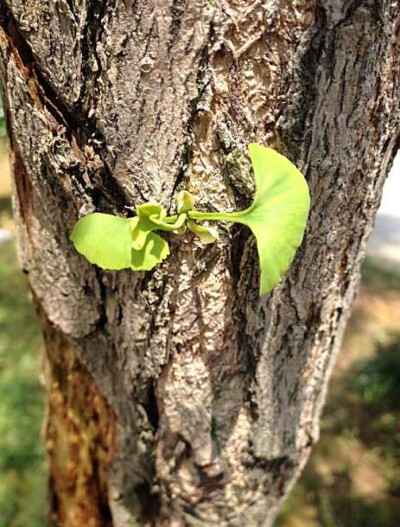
{"points": [[213, 395]]}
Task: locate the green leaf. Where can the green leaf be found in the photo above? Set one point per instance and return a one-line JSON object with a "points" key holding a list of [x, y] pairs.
{"points": [[185, 201], [151, 217], [277, 216], [155, 250], [104, 240], [206, 234], [143, 225]]}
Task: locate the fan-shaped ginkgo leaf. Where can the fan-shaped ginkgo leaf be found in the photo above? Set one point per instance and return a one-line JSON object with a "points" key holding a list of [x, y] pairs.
{"points": [[277, 216], [104, 240], [154, 251]]}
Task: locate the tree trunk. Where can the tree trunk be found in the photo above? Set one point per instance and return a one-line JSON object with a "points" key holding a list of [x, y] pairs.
{"points": [[177, 397]]}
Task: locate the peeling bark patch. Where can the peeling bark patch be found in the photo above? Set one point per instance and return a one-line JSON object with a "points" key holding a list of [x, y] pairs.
{"points": [[80, 438], [23, 185]]}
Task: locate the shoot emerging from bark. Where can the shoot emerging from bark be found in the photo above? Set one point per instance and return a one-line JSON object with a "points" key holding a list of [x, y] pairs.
{"points": [[277, 217]]}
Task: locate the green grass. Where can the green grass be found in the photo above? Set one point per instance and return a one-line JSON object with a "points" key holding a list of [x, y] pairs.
{"points": [[377, 380], [380, 275], [22, 471]]}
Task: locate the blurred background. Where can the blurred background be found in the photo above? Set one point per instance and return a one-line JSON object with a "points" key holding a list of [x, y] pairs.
{"points": [[353, 476]]}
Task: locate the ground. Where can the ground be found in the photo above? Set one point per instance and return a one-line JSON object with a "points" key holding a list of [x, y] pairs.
{"points": [[22, 470], [353, 476]]}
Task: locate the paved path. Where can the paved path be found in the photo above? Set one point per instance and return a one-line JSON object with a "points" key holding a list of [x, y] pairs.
{"points": [[385, 239], [4, 236]]}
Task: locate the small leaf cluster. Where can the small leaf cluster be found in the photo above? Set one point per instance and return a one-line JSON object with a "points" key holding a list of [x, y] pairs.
{"points": [[277, 217], [122, 243]]}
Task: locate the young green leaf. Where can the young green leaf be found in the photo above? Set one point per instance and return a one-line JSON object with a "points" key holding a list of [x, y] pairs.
{"points": [[104, 240], [206, 234], [185, 201], [151, 217], [154, 251], [277, 216]]}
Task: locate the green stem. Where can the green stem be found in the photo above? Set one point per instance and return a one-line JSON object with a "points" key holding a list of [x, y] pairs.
{"points": [[170, 223], [171, 219], [180, 220], [224, 216]]}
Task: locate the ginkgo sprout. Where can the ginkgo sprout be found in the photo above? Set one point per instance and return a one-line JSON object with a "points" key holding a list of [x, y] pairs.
{"points": [[277, 217]]}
